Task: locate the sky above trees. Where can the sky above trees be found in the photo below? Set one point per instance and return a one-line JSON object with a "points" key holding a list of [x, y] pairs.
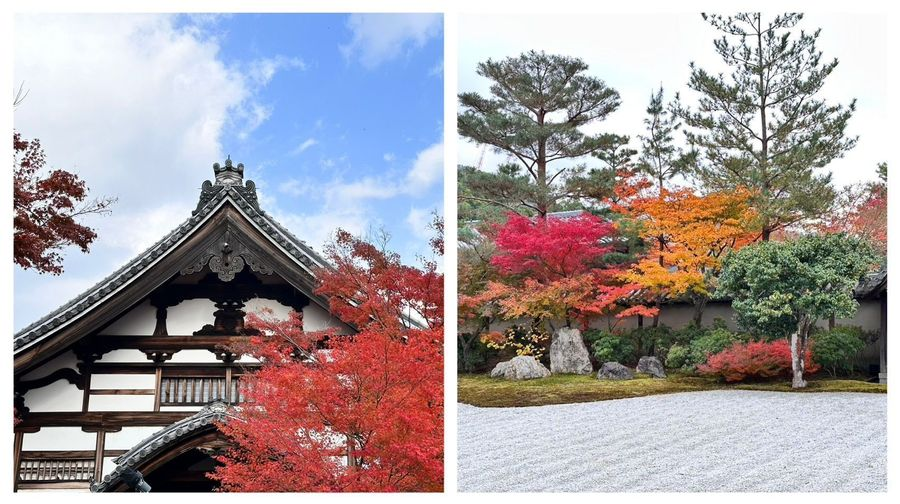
{"points": [[338, 120], [636, 53]]}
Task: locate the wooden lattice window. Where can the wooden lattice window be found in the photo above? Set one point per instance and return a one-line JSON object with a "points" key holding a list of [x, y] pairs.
{"points": [[195, 390], [63, 469]]}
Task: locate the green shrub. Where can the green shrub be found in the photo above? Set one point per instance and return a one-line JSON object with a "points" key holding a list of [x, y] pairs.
{"points": [[837, 349], [686, 353], [688, 333], [677, 357], [713, 342], [608, 346], [652, 340]]}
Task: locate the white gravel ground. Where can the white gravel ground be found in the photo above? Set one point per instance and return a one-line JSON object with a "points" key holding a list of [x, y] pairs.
{"points": [[724, 441]]}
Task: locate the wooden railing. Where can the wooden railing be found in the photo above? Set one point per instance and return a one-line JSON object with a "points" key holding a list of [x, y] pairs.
{"points": [[46, 470], [196, 390]]}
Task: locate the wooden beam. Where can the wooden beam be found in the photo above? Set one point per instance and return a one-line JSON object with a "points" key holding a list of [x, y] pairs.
{"points": [[70, 375], [105, 418], [168, 368], [67, 454], [123, 391], [61, 485], [170, 342]]}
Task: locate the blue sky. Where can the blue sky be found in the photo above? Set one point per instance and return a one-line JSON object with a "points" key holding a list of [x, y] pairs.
{"points": [[337, 118]]}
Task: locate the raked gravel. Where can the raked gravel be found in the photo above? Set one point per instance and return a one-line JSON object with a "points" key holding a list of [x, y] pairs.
{"points": [[724, 441]]}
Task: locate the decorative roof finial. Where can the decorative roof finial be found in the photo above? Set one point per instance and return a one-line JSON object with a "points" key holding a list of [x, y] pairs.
{"points": [[229, 174]]}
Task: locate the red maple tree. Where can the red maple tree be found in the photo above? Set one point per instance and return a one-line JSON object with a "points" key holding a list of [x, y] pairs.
{"points": [[554, 268], [861, 210], [46, 207], [328, 412]]}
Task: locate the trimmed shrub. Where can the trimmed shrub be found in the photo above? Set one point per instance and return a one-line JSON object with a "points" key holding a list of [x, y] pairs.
{"points": [[677, 358], [687, 355], [754, 360], [837, 349], [608, 346]]}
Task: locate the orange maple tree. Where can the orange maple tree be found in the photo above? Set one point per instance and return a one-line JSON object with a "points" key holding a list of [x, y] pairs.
{"points": [[692, 232]]}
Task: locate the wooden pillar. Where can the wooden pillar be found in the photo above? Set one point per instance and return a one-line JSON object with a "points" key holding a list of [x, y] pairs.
{"points": [[228, 376], [17, 457], [158, 398], [98, 455], [86, 399]]}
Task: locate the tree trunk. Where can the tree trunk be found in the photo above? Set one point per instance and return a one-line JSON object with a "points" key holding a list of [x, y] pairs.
{"points": [[699, 306], [798, 352], [464, 350]]}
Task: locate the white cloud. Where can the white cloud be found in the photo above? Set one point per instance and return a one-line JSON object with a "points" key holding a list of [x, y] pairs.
{"points": [[296, 188], [255, 116], [262, 70], [419, 221], [378, 38], [389, 157], [437, 70], [428, 167], [136, 106], [309, 142], [120, 231]]}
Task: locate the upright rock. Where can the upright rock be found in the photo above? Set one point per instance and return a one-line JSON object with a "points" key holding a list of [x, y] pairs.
{"points": [[651, 365], [523, 367], [568, 354], [614, 371]]}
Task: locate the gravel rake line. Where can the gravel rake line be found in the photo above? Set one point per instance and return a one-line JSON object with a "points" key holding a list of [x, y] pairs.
{"points": [[733, 440]]}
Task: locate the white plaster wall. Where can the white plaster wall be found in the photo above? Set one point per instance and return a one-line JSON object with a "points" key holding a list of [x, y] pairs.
{"points": [[279, 311], [64, 360], [121, 403], [128, 437], [123, 381], [58, 396], [194, 356], [316, 318], [189, 316], [867, 316], [139, 321], [59, 438], [119, 356]]}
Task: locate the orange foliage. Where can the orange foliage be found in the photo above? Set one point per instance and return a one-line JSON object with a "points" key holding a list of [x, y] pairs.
{"points": [[690, 234]]}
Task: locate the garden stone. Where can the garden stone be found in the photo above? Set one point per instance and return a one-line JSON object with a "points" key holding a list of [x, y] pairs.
{"points": [[614, 371], [651, 365], [568, 354], [523, 367]]}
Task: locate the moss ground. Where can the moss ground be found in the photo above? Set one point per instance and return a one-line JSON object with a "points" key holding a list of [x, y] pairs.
{"points": [[481, 390]]}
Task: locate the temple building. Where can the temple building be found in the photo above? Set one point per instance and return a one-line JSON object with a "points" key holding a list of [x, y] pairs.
{"points": [[134, 373]]}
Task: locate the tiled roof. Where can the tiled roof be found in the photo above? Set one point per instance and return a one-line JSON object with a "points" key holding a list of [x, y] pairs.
{"points": [[161, 440], [243, 197]]}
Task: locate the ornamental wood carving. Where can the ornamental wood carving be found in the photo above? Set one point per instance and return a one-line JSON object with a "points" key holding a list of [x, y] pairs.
{"points": [[227, 257]]}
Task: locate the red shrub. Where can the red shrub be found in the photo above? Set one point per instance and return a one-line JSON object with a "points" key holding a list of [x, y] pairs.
{"points": [[756, 359]]}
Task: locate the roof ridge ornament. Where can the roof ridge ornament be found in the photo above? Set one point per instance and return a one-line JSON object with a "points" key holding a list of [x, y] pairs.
{"points": [[229, 177], [229, 174]]}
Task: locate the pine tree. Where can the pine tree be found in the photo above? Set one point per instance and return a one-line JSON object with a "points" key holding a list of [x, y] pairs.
{"points": [[538, 106], [761, 126], [660, 157]]}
